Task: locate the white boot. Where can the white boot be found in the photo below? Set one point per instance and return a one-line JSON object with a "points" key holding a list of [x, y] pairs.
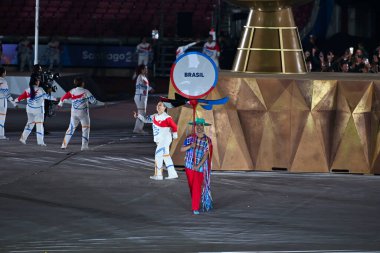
{"points": [[172, 173], [157, 174]]}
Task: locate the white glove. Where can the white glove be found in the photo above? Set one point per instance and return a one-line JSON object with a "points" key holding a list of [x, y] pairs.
{"points": [[175, 135], [60, 104], [14, 103]]}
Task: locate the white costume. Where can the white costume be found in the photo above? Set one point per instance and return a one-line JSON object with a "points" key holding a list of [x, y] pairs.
{"points": [[181, 50], [212, 50], [35, 110], [4, 98], [80, 99], [163, 129], [143, 50], [141, 100]]}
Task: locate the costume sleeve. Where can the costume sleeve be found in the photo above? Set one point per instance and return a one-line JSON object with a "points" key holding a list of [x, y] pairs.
{"points": [[189, 45], [66, 96], [91, 98], [172, 124], [146, 119], [23, 96]]}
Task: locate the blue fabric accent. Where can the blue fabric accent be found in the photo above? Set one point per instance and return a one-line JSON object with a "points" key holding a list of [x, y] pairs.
{"points": [[161, 149], [168, 166], [40, 133], [85, 138], [1, 125]]}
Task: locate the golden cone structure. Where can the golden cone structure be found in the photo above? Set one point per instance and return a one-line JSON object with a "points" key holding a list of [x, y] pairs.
{"points": [[270, 42]]}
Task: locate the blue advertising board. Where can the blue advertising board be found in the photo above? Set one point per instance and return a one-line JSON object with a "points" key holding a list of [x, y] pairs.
{"points": [[80, 56]]}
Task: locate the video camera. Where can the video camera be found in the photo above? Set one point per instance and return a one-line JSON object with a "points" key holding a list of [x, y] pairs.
{"points": [[47, 81]]}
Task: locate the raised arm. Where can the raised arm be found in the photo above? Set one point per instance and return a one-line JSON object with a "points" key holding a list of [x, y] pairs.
{"points": [[23, 96]]}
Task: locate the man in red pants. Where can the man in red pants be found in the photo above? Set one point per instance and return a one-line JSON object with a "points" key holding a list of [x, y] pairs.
{"points": [[198, 148]]}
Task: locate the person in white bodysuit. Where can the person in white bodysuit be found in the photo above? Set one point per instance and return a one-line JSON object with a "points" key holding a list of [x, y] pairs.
{"points": [[143, 51], [4, 98], [35, 109], [211, 49], [80, 100], [164, 131], [141, 96]]}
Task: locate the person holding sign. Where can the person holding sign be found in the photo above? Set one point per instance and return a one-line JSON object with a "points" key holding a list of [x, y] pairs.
{"points": [[164, 131], [198, 148]]}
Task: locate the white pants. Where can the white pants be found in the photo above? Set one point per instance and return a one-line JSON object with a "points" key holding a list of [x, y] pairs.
{"points": [[143, 60], [3, 114], [38, 120], [74, 121], [162, 155], [141, 103]]}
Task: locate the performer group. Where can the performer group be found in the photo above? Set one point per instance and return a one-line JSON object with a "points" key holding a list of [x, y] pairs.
{"points": [[197, 146]]}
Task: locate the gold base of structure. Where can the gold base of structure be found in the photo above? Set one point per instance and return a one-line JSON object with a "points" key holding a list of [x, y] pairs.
{"points": [[270, 42], [309, 123]]}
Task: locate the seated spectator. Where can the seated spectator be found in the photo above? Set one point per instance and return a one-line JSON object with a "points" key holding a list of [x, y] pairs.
{"points": [[345, 67]]}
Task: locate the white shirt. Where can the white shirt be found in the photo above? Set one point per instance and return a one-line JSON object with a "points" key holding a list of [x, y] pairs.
{"points": [[37, 104], [81, 99], [4, 93], [142, 86], [163, 126], [143, 49]]}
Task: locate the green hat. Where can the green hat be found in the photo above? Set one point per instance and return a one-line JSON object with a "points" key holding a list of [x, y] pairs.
{"points": [[200, 121]]}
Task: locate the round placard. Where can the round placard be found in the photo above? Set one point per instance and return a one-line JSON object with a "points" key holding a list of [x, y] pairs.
{"points": [[194, 75]]}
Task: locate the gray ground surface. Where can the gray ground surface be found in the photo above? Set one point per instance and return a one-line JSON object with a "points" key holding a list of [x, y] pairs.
{"points": [[102, 200]]}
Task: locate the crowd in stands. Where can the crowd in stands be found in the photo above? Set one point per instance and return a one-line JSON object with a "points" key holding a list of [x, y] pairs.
{"points": [[353, 60]]}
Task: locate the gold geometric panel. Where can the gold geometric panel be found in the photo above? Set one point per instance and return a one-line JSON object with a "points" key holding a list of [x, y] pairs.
{"points": [[375, 126], [310, 153], [301, 124], [353, 92], [324, 95], [252, 123], [250, 97], [231, 141], [276, 93], [266, 158], [350, 154]]}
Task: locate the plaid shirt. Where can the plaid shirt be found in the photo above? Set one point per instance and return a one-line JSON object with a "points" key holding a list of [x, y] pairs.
{"points": [[201, 148]]}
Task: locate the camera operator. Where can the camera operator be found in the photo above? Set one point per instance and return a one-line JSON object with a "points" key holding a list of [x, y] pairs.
{"points": [[47, 79]]}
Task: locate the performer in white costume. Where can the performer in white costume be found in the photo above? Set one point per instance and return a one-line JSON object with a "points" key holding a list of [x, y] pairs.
{"points": [[35, 109], [163, 129], [80, 99], [143, 50], [4, 98], [141, 96], [182, 49], [211, 49]]}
